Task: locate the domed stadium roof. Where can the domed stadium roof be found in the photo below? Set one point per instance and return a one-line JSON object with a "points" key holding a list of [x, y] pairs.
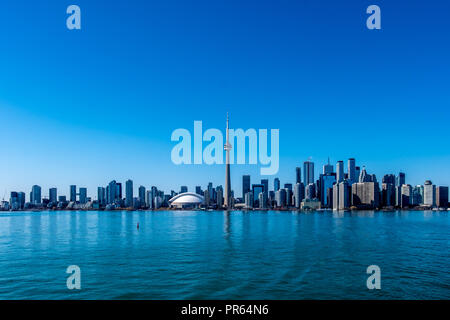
{"points": [[187, 198]]}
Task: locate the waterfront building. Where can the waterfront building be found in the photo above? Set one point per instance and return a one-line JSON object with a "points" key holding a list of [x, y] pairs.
{"points": [[207, 198], [417, 195], [248, 198], [265, 183], [21, 199], [310, 204], [262, 199], [276, 184], [183, 189], [365, 195], [245, 185], [219, 195], [111, 192], [83, 195], [429, 194], [308, 172], [398, 196], [256, 190], [128, 193], [119, 191], [299, 194], [388, 194], [198, 190], [154, 194], [341, 196], [310, 191], [62, 199], [280, 198], [149, 199], [52, 195], [73, 193], [406, 196], [141, 198], [35, 196], [101, 196], [14, 201], [298, 175], [442, 197], [326, 182], [271, 199]]}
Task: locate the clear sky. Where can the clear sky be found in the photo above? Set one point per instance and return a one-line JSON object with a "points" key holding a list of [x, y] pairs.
{"points": [[87, 106]]}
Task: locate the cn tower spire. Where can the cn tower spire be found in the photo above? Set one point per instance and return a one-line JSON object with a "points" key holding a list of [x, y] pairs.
{"points": [[227, 147]]}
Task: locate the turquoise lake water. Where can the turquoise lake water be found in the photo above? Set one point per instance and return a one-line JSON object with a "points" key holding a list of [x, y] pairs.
{"points": [[219, 255]]}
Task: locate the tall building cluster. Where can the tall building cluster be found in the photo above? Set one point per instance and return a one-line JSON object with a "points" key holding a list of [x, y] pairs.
{"points": [[347, 187], [350, 187]]}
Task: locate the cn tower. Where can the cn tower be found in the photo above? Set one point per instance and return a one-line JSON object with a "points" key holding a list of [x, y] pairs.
{"points": [[227, 148]]}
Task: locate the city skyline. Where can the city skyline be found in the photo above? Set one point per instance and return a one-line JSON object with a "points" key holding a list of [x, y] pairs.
{"points": [[237, 180], [351, 173]]}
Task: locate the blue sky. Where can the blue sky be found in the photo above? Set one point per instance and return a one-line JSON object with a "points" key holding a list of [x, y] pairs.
{"points": [[85, 107]]}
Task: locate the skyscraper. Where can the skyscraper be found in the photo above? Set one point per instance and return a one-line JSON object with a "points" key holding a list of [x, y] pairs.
{"points": [[73, 193], [326, 182], [406, 196], [389, 178], [141, 196], [341, 195], [118, 191], [83, 195], [310, 191], [276, 184], [183, 189], [265, 183], [101, 196], [429, 194], [298, 175], [245, 185], [280, 198], [328, 168], [111, 192], [365, 194], [52, 195], [219, 195], [357, 172], [442, 197], [388, 194], [227, 147], [36, 195], [129, 193], [299, 194], [401, 179], [14, 201], [352, 171], [340, 171], [308, 172], [256, 190]]}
